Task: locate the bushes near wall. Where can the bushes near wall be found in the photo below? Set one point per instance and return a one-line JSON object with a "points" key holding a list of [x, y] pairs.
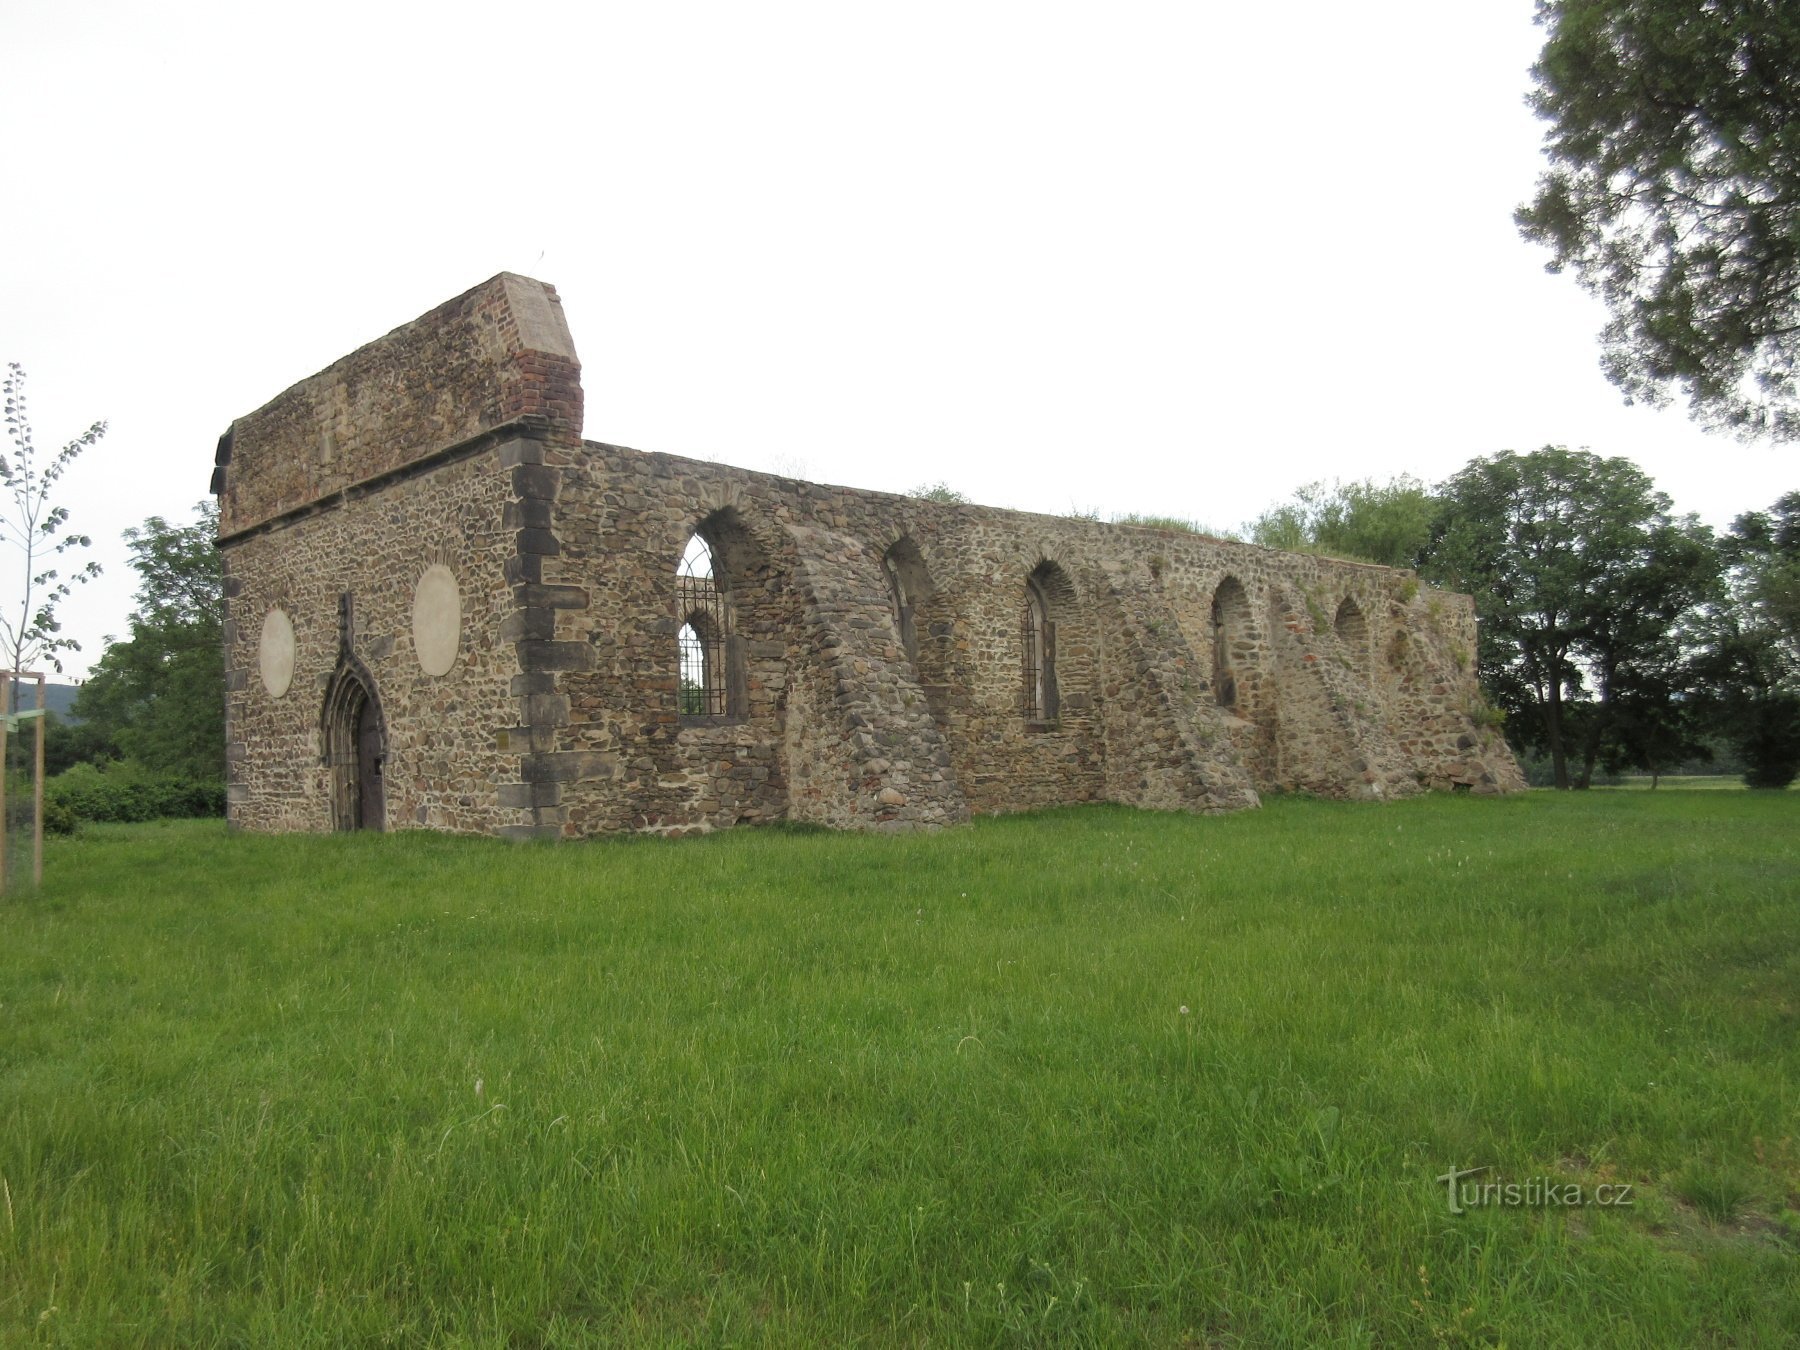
{"points": [[124, 793]]}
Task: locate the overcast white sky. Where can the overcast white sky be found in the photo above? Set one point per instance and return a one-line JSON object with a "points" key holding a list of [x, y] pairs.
{"points": [[1169, 258]]}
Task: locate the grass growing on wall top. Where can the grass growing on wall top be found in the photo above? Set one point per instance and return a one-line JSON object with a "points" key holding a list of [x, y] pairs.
{"points": [[1085, 1076]]}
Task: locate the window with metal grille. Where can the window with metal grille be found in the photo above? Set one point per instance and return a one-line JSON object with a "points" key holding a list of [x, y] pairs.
{"points": [[702, 639]]}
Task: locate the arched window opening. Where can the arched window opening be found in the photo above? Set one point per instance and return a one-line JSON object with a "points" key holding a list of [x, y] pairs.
{"points": [[1231, 630], [1352, 630], [704, 688], [909, 587], [1041, 702]]}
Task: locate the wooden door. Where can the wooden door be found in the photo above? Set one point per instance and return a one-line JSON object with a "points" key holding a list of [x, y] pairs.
{"points": [[371, 813]]}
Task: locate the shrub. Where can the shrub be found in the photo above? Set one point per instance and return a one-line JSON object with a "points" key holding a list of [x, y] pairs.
{"points": [[125, 793], [59, 816], [939, 491], [1179, 524], [58, 819]]}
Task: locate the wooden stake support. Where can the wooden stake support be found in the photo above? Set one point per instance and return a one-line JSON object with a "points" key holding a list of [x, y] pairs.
{"points": [[10, 721]]}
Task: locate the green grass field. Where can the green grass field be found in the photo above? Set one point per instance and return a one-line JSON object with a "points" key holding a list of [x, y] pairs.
{"points": [[1085, 1077], [1692, 782]]}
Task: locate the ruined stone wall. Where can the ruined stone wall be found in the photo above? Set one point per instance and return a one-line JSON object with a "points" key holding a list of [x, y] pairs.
{"points": [[876, 660], [844, 726], [833, 727], [495, 355], [1431, 707]]}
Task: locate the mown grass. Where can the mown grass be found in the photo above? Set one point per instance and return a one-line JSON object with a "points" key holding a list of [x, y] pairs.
{"points": [[1085, 1077]]}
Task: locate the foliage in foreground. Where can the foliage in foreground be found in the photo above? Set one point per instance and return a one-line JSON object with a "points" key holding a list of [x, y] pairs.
{"points": [[1674, 195], [1091, 1077], [39, 534]]}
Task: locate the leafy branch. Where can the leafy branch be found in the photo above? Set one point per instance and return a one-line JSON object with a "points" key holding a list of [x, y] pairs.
{"points": [[38, 534]]}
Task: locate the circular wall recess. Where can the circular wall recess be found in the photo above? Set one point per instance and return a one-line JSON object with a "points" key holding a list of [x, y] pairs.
{"points": [[437, 620], [275, 653]]}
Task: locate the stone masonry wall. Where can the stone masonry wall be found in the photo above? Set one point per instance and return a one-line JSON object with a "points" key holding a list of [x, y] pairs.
{"points": [[1191, 673], [492, 356], [443, 758]]}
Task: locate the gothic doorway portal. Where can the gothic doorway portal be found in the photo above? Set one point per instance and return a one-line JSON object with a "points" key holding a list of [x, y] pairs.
{"points": [[355, 750]]}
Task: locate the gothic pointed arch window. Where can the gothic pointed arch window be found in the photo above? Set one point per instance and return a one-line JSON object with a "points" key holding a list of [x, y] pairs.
{"points": [[703, 639]]}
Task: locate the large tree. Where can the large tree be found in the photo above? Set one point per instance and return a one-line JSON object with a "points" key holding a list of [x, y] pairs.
{"points": [[1584, 583], [158, 697], [1674, 194]]}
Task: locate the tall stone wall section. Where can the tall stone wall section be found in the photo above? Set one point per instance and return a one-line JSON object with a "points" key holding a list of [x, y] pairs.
{"points": [[865, 751], [443, 758], [499, 354], [413, 453], [1191, 673], [1163, 730]]}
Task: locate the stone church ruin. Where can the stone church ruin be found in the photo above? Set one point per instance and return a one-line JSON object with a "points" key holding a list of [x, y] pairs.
{"points": [[446, 610]]}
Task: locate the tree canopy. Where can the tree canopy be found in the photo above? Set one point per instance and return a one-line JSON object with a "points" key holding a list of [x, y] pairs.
{"points": [[158, 697], [1583, 580], [1754, 671], [1763, 553], [1674, 195]]}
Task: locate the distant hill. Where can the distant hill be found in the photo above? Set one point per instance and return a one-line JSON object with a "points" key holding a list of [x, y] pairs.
{"points": [[59, 698]]}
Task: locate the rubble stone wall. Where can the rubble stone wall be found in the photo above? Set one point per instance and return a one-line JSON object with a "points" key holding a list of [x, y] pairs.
{"points": [[877, 649], [443, 756]]}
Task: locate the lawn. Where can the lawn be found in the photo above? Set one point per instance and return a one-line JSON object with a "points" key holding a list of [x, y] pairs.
{"points": [[1683, 782], [1090, 1076]]}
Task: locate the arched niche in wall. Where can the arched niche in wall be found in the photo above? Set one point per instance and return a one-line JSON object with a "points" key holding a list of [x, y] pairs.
{"points": [[1234, 636], [909, 589], [1352, 630], [1048, 612], [923, 620]]}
